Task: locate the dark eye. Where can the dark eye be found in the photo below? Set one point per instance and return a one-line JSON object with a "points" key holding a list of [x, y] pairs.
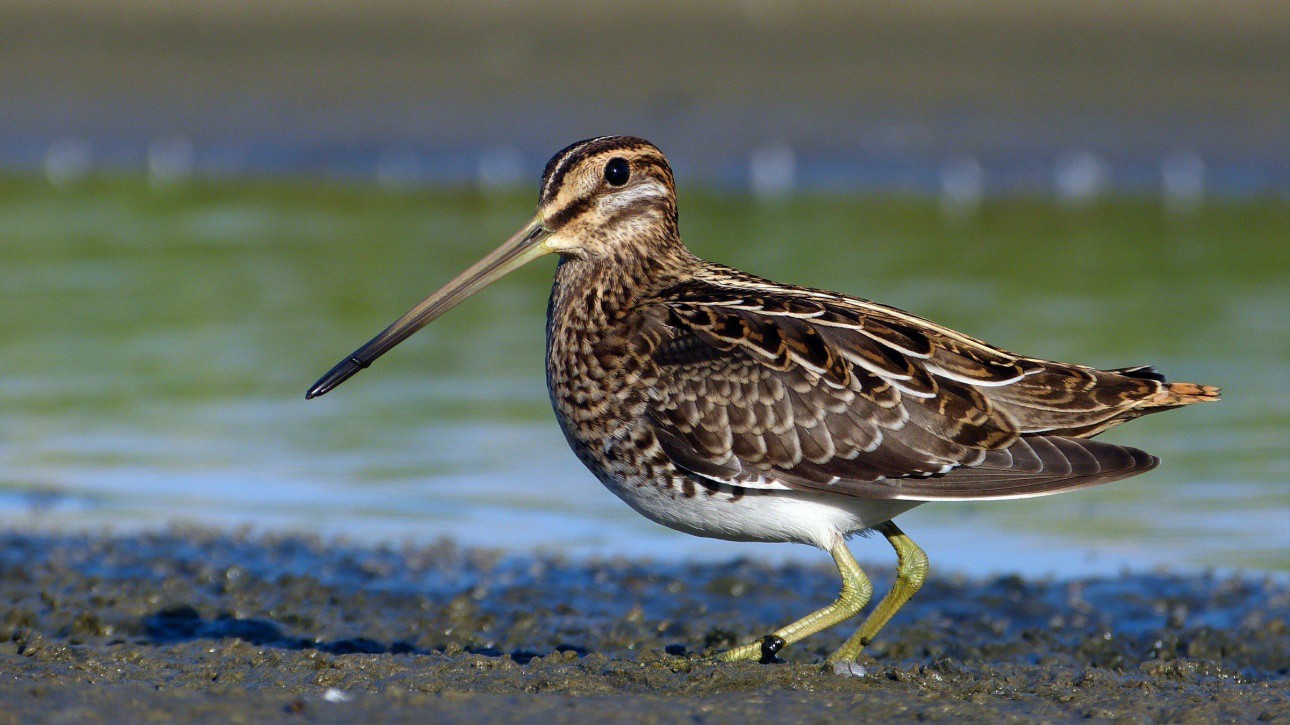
{"points": [[617, 171]]}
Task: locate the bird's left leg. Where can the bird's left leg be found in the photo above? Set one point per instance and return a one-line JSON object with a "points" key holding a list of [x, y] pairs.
{"points": [[856, 590], [911, 572]]}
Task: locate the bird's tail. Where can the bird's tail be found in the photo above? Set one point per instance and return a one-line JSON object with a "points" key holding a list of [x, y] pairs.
{"points": [[1177, 394], [1171, 395]]}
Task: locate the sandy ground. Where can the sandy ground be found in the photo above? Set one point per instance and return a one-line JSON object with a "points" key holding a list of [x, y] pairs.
{"points": [[221, 627]]}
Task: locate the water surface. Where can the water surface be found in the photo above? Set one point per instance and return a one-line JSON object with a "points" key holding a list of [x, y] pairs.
{"points": [[156, 346]]}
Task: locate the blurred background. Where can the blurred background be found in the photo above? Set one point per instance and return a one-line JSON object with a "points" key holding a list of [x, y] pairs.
{"points": [[203, 206]]}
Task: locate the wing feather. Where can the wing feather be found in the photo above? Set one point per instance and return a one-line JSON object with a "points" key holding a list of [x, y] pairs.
{"points": [[803, 389]]}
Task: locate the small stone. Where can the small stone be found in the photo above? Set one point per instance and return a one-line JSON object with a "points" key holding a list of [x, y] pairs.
{"points": [[332, 694], [849, 669]]}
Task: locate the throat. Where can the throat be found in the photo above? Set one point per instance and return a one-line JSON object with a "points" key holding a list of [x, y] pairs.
{"points": [[603, 289]]}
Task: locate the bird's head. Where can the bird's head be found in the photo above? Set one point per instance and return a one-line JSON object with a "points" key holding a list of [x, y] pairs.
{"points": [[604, 194], [605, 198]]}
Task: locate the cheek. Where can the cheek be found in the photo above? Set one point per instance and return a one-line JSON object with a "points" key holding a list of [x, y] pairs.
{"points": [[580, 239], [566, 242], [633, 225], [637, 196]]}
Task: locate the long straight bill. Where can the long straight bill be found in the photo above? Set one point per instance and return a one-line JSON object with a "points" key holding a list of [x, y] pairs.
{"points": [[524, 247]]}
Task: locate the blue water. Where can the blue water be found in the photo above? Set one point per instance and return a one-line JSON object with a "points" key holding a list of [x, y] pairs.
{"points": [[1164, 168], [157, 344]]}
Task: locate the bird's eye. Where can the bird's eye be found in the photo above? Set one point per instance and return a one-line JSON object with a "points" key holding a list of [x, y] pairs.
{"points": [[617, 171]]}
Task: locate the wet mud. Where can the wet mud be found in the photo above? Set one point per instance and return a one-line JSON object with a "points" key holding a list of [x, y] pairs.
{"points": [[238, 628]]}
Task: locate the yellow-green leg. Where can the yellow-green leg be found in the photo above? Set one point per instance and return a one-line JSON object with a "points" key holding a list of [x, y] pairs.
{"points": [[911, 572], [856, 590]]}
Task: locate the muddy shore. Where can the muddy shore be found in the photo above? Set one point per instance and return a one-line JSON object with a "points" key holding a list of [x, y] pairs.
{"points": [[228, 627]]}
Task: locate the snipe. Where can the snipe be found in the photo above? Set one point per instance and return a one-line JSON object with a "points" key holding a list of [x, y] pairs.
{"points": [[726, 405]]}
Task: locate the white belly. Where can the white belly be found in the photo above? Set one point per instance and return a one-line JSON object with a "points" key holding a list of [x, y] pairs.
{"points": [[803, 517]]}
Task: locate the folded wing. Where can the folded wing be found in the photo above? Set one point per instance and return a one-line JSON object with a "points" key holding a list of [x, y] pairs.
{"points": [[803, 389]]}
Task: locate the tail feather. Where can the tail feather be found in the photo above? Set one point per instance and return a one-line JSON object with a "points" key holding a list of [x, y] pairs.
{"points": [[1152, 396], [1170, 395], [1177, 394]]}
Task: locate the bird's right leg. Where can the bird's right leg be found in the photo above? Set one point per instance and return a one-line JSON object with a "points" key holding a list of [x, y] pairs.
{"points": [[856, 591], [911, 572]]}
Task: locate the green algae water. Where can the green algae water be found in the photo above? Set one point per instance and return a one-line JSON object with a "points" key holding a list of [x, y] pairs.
{"points": [[155, 346]]}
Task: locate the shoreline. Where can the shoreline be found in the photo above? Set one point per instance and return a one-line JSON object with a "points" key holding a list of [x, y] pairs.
{"points": [[212, 625]]}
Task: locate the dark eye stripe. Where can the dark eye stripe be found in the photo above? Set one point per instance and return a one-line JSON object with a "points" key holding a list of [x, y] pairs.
{"points": [[574, 208]]}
